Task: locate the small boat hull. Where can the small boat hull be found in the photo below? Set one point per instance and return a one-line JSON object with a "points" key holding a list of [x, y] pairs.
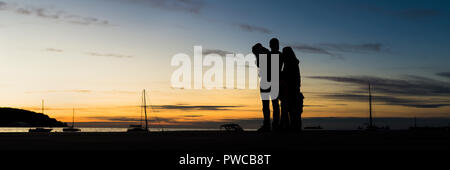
{"points": [[40, 130], [71, 130], [314, 127], [138, 130]]}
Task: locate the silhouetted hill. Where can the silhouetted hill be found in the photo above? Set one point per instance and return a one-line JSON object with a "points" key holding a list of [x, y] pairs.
{"points": [[11, 117]]}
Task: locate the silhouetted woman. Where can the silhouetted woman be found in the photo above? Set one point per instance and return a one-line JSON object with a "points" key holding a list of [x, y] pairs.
{"points": [[292, 94]]}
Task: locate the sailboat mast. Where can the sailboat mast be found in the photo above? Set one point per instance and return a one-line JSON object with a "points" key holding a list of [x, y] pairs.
{"points": [[145, 111], [73, 117], [142, 101], [370, 107], [42, 105]]}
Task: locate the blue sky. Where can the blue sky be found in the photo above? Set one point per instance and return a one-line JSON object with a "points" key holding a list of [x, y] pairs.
{"points": [[102, 52]]}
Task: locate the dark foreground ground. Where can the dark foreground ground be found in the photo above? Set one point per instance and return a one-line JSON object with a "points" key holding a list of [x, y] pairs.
{"points": [[309, 150], [227, 141]]}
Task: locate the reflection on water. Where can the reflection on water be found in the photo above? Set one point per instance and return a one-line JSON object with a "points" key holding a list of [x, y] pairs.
{"points": [[25, 129]]}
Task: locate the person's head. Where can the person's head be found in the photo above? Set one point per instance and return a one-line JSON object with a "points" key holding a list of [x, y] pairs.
{"points": [[274, 44], [289, 54], [257, 49]]}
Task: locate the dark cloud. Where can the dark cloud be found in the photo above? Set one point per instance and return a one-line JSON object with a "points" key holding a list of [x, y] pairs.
{"points": [[75, 19], [411, 91], [120, 119], [314, 50], [3, 5], [191, 107], [54, 15], [222, 53], [135, 119], [192, 115], [41, 12], [314, 105], [413, 67], [252, 28], [410, 85], [411, 13], [23, 11], [54, 50], [388, 100], [188, 6], [365, 47], [334, 50], [193, 7], [109, 55], [444, 74]]}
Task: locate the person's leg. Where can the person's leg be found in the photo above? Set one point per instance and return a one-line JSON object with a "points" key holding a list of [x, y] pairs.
{"points": [[294, 117], [295, 111], [300, 121], [266, 112], [284, 102], [276, 113], [284, 120], [300, 112]]}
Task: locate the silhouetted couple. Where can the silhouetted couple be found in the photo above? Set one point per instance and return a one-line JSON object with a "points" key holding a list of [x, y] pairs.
{"points": [[288, 95]]}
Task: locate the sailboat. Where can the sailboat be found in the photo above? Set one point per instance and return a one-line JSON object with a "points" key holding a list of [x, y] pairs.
{"points": [[72, 128], [139, 128], [40, 129], [371, 126]]}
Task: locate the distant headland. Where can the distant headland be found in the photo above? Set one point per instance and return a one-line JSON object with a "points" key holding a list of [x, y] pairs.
{"points": [[12, 117]]}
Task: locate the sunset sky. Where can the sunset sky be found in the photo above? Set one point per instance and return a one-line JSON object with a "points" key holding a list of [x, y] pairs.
{"points": [[97, 56]]}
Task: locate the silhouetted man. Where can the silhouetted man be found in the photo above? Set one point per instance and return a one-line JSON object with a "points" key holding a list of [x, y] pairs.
{"points": [[284, 123], [257, 50]]}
